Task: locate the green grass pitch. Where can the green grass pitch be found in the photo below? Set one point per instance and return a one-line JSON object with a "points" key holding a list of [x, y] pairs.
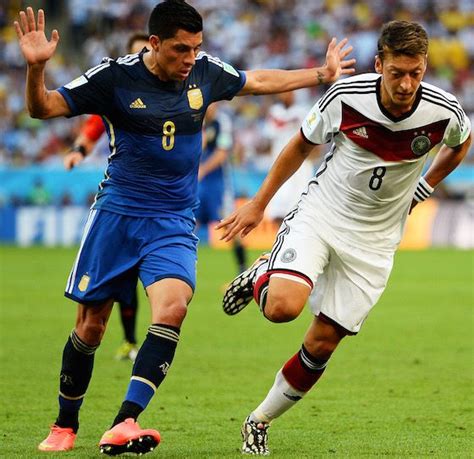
{"points": [[402, 388]]}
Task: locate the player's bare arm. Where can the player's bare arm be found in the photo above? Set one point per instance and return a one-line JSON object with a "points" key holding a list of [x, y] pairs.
{"points": [[37, 50], [446, 160], [275, 81], [245, 219]]}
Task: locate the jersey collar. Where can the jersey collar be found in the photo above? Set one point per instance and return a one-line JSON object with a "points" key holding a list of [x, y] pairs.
{"points": [[387, 113]]}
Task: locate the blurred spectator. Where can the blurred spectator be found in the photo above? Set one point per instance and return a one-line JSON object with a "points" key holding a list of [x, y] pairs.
{"points": [[247, 33], [39, 195]]}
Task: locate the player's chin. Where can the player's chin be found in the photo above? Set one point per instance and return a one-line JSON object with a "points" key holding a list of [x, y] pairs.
{"points": [[404, 98], [181, 76]]}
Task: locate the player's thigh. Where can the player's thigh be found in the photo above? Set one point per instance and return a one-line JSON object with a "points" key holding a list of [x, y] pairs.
{"points": [[104, 267], [286, 298], [168, 300], [351, 285]]}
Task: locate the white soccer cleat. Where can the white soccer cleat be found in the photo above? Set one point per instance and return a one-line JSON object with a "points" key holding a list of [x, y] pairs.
{"points": [[255, 438]]}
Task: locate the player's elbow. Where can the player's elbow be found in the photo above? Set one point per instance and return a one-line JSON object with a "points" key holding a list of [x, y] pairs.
{"points": [[38, 112]]}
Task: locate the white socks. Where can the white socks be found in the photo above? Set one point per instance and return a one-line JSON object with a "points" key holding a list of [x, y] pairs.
{"points": [[279, 399]]}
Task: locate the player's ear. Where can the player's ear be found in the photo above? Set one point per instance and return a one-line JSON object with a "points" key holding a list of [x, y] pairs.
{"points": [[378, 64], [155, 42]]}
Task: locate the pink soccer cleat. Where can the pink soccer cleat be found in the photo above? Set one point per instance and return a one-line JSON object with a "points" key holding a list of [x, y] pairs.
{"points": [[59, 439], [127, 437]]}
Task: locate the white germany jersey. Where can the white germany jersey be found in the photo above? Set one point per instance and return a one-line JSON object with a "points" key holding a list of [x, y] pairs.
{"points": [[363, 190]]}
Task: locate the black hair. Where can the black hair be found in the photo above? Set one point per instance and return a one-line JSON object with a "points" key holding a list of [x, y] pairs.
{"points": [[171, 15]]}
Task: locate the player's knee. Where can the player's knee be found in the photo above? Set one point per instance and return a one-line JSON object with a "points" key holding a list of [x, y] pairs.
{"points": [[91, 331], [281, 308], [172, 313]]}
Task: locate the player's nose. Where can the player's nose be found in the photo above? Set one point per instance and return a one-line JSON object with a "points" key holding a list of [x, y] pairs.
{"points": [[190, 58]]}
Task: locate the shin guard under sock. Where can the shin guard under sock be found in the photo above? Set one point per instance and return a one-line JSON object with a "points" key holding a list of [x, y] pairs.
{"points": [[76, 373]]}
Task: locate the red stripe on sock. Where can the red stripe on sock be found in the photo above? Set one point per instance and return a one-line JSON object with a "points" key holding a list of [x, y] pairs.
{"points": [[298, 376], [261, 282]]}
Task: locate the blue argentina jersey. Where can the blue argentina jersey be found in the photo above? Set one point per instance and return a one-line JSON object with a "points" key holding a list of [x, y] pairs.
{"points": [[154, 129]]}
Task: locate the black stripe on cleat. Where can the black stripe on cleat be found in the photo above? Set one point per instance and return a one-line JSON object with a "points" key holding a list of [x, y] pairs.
{"points": [[141, 445]]}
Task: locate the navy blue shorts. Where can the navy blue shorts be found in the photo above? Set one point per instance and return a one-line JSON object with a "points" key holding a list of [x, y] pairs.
{"points": [[117, 249]]}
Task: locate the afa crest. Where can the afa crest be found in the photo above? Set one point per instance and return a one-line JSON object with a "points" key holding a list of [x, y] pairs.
{"points": [[84, 283], [195, 98]]}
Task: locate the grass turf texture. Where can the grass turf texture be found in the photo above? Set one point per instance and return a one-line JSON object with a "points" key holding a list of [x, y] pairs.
{"points": [[402, 387]]}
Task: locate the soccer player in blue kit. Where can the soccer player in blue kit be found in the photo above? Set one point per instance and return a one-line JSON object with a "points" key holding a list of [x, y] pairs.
{"points": [[141, 223], [215, 190]]}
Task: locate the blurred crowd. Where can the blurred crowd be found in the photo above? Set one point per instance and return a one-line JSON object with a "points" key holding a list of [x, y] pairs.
{"points": [[246, 33]]}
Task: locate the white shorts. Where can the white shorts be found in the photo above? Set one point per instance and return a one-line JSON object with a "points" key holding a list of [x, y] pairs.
{"points": [[347, 280]]}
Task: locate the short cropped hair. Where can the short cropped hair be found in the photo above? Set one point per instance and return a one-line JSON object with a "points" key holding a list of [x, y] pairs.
{"points": [[402, 38], [171, 15], [137, 36]]}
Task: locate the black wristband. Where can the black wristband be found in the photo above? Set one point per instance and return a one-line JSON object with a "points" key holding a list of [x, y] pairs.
{"points": [[80, 149]]}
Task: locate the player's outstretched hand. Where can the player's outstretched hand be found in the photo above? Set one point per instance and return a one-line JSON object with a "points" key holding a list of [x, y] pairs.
{"points": [[72, 159], [242, 221], [34, 45], [336, 62]]}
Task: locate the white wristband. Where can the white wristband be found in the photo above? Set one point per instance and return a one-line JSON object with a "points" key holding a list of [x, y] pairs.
{"points": [[423, 190]]}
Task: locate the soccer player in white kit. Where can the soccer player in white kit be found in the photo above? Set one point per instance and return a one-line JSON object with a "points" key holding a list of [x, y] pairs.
{"points": [[284, 118], [342, 236]]}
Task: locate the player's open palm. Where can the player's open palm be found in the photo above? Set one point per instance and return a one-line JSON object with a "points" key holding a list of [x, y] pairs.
{"points": [[242, 221], [36, 48], [336, 62]]}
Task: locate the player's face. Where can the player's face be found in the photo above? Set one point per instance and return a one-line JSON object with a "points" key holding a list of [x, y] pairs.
{"points": [[176, 56], [401, 78]]}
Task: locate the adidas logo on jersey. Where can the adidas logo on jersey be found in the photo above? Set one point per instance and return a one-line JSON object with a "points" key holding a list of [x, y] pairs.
{"points": [[137, 103], [361, 132]]}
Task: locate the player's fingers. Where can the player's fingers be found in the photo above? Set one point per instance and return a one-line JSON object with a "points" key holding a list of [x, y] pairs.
{"points": [[348, 63], [332, 44], [224, 222], [24, 22], [341, 44], [231, 234], [247, 230], [231, 230], [345, 52], [18, 31], [55, 36], [40, 20], [30, 15]]}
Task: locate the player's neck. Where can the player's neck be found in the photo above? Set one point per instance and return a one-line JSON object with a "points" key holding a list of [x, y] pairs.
{"points": [[154, 68], [393, 108]]}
